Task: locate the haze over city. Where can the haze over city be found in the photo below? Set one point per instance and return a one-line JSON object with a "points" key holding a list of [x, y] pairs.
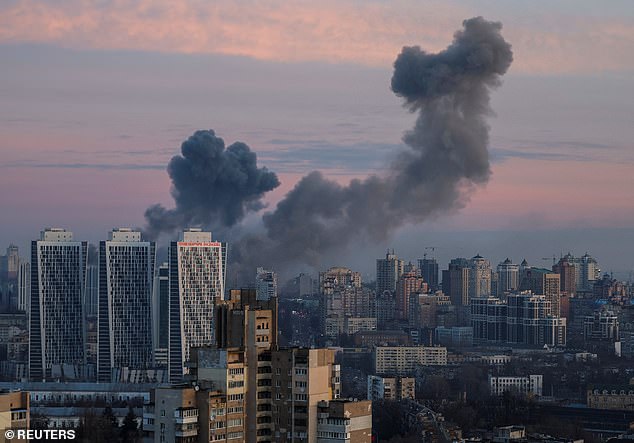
{"points": [[357, 221]]}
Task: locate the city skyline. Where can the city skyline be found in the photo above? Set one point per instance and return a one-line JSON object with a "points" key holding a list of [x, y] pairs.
{"points": [[356, 221]]}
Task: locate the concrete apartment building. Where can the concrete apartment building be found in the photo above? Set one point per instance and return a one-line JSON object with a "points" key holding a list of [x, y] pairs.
{"points": [[403, 360], [388, 271], [250, 325], [344, 421], [302, 378], [248, 389], [391, 388], [210, 408], [14, 410]]}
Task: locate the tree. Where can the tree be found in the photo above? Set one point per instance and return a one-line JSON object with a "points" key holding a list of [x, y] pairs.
{"points": [[129, 430], [108, 427]]}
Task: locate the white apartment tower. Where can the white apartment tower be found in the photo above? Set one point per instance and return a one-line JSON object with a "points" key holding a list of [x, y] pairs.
{"points": [[197, 279], [124, 322], [56, 317]]}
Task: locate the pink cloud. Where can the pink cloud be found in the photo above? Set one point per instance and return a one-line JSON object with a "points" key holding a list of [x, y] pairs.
{"points": [[369, 33]]}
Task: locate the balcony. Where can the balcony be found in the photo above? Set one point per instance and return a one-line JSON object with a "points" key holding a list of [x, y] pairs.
{"points": [[186, 433]]}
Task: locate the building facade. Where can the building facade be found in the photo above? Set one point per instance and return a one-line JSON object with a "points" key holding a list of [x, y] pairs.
{"points": [[508, 277], [125, 314], [58, 283], [429, 271], [523, 320], [391, 388], [455, 281], [24, 286], [197, 281], [528, 385], [388, 271], [265, 284], [404, 360], [344, 421]]}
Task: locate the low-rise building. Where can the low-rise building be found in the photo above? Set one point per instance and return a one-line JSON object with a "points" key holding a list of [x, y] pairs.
{"points": [[403, 360], [368, 339], [457, 336], [352, 325], [528, 385], [611, 397]]}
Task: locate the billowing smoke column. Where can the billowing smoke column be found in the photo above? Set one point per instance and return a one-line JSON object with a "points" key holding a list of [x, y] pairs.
{"points": [[446, 157], [211, 185]]}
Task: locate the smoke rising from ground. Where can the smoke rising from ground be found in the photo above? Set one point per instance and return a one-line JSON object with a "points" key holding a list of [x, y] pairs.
{"points": [[446, 157], [211, 185]]}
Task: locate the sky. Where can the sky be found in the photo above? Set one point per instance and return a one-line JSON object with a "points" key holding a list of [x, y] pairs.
{"points": [[96, 97]]}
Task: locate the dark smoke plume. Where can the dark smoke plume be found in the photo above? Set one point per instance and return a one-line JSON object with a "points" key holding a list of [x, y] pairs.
{"points": [[446, 158], [447, 155], [211, 185]]}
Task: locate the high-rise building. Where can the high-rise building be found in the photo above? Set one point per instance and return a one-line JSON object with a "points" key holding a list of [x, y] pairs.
{"points": [[455, 281], [542, 282], [508, 277], [13, 262], [249, 326], [341, 296], [265, 284], [423, 309], [92, 290], [305, 285], [385, 309], [429, 271], [245, 388], [588, 272], [58, 284], [124, 325], [161, 313], [24, 286], [409, 283], [338, 278], [567, 270], [388, 271], [601, 325], [302, 378], [197, 280], [479, 277], [523, 319], [489, 320]]}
